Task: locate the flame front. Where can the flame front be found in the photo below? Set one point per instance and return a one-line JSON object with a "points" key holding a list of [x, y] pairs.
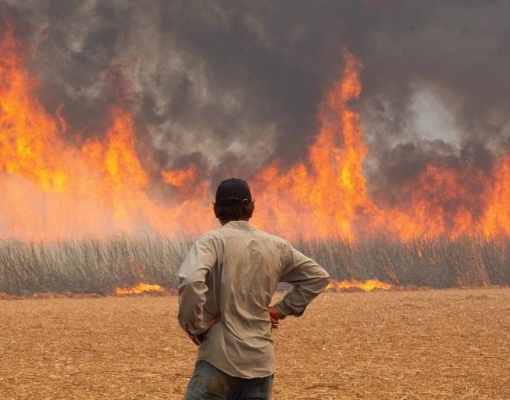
{"points": [[366, 286], [52, 190], [139, 289], [52, 187]]}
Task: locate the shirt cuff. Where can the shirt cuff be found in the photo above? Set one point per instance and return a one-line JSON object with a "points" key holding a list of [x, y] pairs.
{"points": [[283, 309]]}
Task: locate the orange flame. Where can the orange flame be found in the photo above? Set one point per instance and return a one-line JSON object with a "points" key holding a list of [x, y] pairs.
{"points": [[439, 201], [496, 219], [139, 289], [50, 189], [327, 196], [366, 286]]}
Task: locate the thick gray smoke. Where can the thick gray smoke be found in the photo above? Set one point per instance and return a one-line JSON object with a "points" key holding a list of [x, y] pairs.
{"points": [[232, 85]]}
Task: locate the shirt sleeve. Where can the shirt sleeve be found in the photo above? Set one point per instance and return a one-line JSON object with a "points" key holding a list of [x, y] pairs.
{"points": [[309, 280], [192, 288]]}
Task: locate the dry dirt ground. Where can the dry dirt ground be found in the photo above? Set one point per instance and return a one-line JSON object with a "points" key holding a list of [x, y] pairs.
{"points": [[436, 344]]}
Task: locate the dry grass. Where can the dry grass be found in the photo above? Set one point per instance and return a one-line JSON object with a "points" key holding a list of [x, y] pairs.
{"points": [[102, 265], [437, 344]]}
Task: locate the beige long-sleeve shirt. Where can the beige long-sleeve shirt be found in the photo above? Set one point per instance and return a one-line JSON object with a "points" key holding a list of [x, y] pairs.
{"points": [[232, 273]]}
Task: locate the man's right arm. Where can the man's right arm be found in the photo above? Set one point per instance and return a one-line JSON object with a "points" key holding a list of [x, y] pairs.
{"points": [[192, 288]]}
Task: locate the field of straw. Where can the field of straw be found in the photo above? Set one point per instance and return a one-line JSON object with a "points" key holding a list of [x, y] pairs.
{"points": [[429, 344]]}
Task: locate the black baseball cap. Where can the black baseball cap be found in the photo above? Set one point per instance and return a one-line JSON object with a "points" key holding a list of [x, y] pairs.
{"points": [[233, 192]]}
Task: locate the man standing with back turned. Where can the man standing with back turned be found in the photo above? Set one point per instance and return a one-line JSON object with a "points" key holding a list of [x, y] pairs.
{"points": [[226, 284]]}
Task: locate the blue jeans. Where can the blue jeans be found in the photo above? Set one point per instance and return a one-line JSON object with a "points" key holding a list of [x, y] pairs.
{"points": [[209, 383]]}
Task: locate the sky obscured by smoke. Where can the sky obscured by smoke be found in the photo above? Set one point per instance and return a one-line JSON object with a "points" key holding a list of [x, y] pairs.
{"points": [[233, 85]]}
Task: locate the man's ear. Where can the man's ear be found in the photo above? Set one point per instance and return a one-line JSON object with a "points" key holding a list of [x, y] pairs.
{"points": [[252, 209], [215, 208]]}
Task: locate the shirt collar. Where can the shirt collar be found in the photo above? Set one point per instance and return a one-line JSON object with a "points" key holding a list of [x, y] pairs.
{"points": [[242, 225]]}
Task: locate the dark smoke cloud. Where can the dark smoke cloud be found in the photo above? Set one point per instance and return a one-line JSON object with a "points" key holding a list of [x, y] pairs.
{"points": [[237, 84]]}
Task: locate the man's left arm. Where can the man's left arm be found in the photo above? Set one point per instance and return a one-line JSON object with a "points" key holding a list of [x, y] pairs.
{"points": [[309, 280]]}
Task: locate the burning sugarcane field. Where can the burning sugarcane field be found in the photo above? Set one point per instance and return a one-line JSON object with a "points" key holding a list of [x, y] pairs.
{"points": [[375, 137]]}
